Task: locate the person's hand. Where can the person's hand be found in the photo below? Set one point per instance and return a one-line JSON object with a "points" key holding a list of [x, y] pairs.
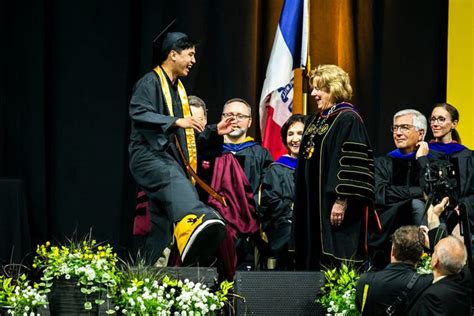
{"points": [[224, 127], [439, 208], [337, 213], [422, 150], [434, 212], [426, 239], [190, 122], [425, 197]]}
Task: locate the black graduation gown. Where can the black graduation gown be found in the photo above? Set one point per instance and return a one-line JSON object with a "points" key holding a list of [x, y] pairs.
{"points": [[341, 165], [463, 162], [154, 161], [276, 206]]}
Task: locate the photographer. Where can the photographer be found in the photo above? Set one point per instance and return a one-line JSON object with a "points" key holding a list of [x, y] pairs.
{"points": [[398, 287], [450, 293], [382, 292]]}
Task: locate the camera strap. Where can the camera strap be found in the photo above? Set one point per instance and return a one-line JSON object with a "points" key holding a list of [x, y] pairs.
{"points": [[403, 296]]}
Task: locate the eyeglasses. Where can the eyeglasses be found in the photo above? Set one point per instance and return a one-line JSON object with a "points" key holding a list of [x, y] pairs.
{"points": [[440, 119], [403, 128], [237, 116]]}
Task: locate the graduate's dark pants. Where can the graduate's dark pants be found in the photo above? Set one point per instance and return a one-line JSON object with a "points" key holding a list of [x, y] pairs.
{"points": [[172, 194]]}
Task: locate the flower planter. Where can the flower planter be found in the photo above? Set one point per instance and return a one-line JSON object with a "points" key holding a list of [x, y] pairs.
{"points": [[66, 298], [4, 310]]}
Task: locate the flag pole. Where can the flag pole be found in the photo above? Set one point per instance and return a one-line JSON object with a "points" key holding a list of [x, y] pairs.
{"points": [[305, 91], [305, 72]]}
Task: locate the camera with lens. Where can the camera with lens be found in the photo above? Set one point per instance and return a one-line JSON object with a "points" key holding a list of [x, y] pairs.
{"points": [[441, 181]]}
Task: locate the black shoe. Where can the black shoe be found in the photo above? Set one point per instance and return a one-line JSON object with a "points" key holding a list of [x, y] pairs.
{"points": [[198, 238]]}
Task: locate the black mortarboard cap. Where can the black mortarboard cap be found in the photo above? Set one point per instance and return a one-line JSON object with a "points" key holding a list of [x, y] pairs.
{"points": [[164, 41]]}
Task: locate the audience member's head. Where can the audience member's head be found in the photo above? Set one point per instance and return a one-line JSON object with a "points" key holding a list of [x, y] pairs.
{"points": [[241, 111], [407, 244], [449, 256], [198, 108], [409, 128]]}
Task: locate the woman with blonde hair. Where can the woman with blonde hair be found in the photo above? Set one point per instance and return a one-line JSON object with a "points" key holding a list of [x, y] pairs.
{"points": [[334, 177]]}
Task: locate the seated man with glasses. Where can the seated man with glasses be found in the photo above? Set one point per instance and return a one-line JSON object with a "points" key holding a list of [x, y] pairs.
{"points": [[236, 173], [252, 157], [399, 195]]}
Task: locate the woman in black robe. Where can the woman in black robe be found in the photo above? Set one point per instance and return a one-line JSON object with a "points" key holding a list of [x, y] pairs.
{"points": [[277, 193], [446, 141], [334, 177]]}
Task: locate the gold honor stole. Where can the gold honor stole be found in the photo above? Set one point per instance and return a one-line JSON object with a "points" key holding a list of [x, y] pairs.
{"points": [[190, 139]]}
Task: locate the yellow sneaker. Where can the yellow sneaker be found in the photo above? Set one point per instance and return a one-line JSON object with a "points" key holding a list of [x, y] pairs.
{"points": [[198, 238]]}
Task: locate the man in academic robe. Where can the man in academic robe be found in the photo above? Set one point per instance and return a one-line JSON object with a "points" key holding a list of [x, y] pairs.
{"points": [[162, 141], [399, 176], [252, 157], [237, 173]]}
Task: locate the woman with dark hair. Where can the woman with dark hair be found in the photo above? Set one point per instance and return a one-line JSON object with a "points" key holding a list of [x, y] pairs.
{"points": [[447, 142], [443, 121], [334, 177], [277, 192]]}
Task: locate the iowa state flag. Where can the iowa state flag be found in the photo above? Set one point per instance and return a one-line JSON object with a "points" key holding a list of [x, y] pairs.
{"points": [[290, 51]]}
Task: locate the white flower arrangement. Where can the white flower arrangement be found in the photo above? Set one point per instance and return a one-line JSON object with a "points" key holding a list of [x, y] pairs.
{"points": [[23, 299], [170, 297]]}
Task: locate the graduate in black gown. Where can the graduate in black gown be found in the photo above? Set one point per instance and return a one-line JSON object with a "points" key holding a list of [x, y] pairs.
{"points": [[277, 194], [161, 125], [334, 177], [447, 141]]}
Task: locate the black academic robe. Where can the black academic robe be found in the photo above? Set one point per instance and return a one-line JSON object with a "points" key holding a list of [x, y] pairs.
{"points": [[463, 162], [154, 160], [397, 183], [253, 159], [334, 160], [276, 205]]}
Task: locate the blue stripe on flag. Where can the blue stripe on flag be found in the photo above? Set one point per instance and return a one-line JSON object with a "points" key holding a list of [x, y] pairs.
{"points": [[291, 27]]}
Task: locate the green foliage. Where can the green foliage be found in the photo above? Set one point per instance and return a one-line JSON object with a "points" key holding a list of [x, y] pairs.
{"points": [[338, 293], [424, 265], [6, 290], [93, 265], [19, 295]]}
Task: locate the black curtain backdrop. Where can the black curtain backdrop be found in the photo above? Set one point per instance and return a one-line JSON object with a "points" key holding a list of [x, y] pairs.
{"points": [[67, 70]]}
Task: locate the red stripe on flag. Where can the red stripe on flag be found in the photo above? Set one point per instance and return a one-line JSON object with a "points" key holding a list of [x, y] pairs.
{"points": [[271, 137]]}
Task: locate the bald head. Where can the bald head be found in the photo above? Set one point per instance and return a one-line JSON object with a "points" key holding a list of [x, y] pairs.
{"points": [[451, 256]]}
